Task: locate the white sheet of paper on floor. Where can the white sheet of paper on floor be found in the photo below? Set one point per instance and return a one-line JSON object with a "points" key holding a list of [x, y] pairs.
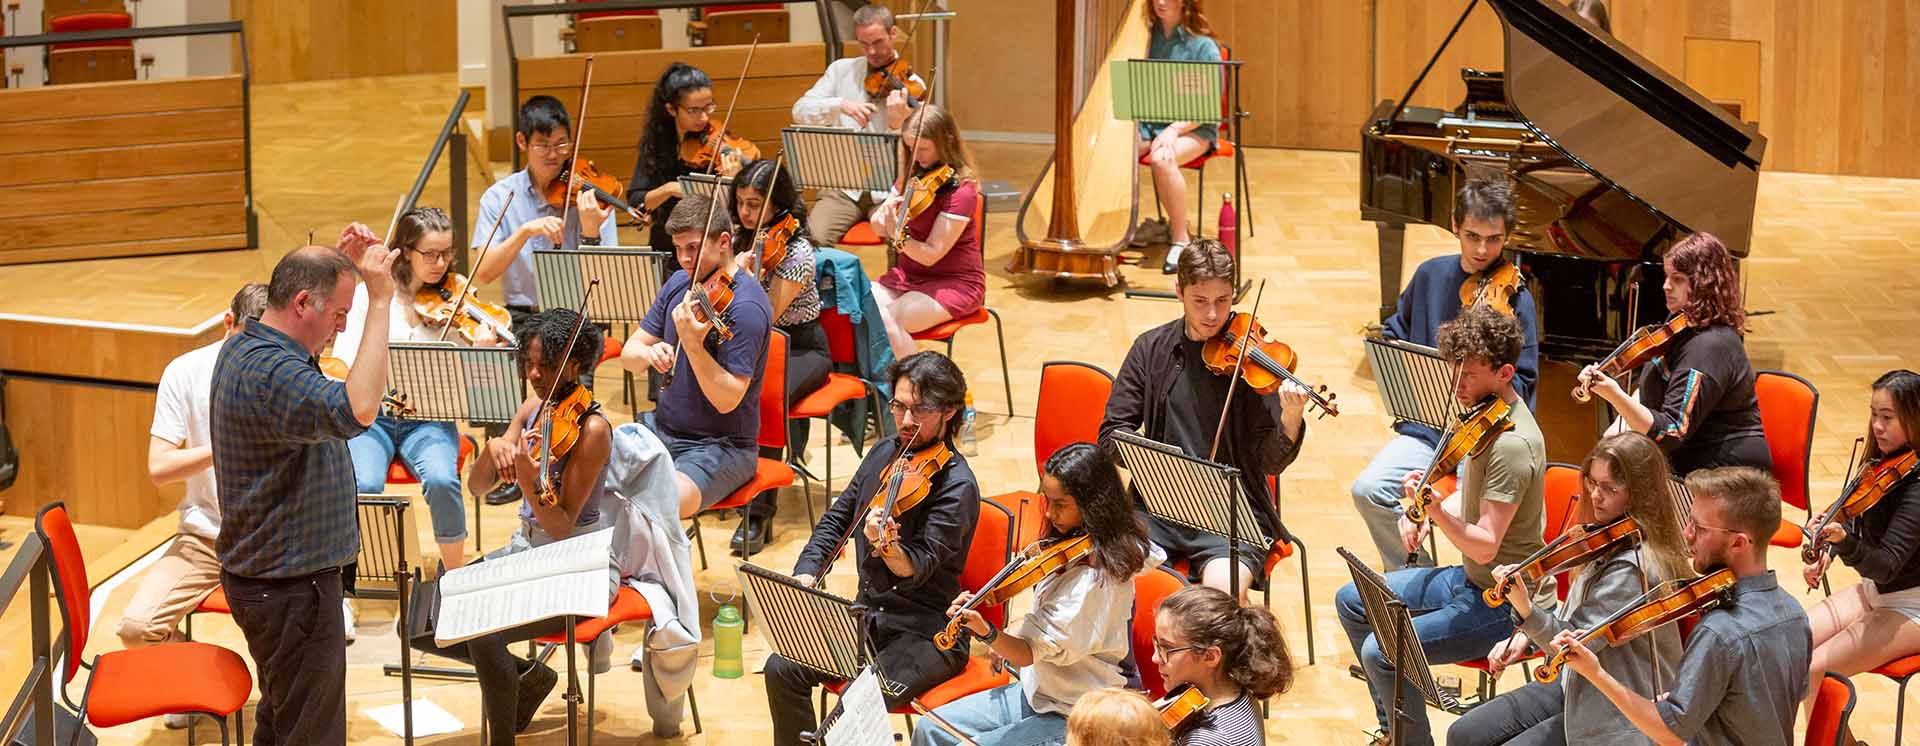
{"points": [[429, 719]]}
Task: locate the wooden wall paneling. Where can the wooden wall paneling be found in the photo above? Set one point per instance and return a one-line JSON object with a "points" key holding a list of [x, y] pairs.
{"points": [[300, 40], [124, 353], [118, 131], [632, 99], [139, 247], [153, 223], [1305, 72], [1000, 59], [228, 188], [1406, 34], [122, 162], [645, 65], [124, 97], [1726, 71], [102, 484]]}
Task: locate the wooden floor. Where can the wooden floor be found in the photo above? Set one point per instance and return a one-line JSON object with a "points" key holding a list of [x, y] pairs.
{"points": [[1833, 258]]}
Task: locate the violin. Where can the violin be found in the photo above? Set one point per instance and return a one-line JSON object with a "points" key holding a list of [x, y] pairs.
{"points": [[1037, 562], [771, 250], [392, 404], [905, 483], [479, 322], [1579, 545], [1476, 430], [920, 190], [557, 423], [895, 76], [584, 176], [1268, 362], [705, 153], [1873, 482], [1664, 604], [711, 301], [1646, 343], [1181, 706], [1494, 286]]}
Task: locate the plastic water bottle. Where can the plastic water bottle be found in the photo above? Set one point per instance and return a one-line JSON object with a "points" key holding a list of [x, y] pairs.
{"points": [[727, 627], [968, 444], [1229, 222]]}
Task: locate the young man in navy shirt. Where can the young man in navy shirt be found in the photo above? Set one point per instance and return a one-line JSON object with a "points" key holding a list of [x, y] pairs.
{"points": [[709, 413], [1483, 213]]}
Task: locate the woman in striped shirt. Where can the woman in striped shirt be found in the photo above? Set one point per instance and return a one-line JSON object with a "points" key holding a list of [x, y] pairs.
{"points": [[1233, 654]]}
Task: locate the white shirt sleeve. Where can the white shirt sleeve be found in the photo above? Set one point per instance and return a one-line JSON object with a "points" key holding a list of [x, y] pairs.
{"points": [[820, 105], [172, 404], [1074, 618], [346, 345]]}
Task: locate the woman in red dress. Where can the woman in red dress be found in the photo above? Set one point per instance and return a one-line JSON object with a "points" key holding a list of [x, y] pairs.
{"points": [[940, 273]]}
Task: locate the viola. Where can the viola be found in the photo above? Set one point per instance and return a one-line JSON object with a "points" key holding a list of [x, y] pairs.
{"points": [[1476, 430], [584, 177], [1646, 343], [1268, 362], [1037, 562], [706, 152], [1180, 707], [1873, 482], [1578, 546], [895, 76], [771, 249], [905, 483], [1494, 286], [1664, 604], [479, 322], [556, 425], [392, 404]]}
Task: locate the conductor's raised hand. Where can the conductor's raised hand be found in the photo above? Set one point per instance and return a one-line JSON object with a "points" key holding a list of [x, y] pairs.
{"points": [[376, 270], [354, 240]]}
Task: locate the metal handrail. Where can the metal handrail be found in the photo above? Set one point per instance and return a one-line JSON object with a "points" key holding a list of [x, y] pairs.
{"points": [[456, 178], [33, 567], [144, 32]]}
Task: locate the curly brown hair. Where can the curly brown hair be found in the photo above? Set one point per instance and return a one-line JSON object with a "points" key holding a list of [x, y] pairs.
{"points": [[1253, 654], [1482, 333], [1714, 286]]}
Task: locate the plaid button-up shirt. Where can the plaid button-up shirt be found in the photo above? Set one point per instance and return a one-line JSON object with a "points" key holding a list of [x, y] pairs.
{"points": [[280, 459]]}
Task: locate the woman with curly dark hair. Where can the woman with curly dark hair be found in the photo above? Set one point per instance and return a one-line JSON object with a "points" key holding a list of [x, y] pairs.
{"points": [[1234, 654], [1075, 638], [1697, 401], [682, 108]]}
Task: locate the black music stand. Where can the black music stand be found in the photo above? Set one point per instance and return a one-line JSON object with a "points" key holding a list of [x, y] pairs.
{"points": [[703, 185], [632, 277], [389, 553], [446, 382], [1200, 91], [1192, 492], [1415, 382], [833, 158], [1393, 626]]}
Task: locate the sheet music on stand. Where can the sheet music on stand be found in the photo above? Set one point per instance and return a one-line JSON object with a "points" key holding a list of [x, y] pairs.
{"points": [[1188, 491], [810, 627], [1393, 629], [703, 185], [833, 158], [629, 280], [860, 719], [1146, 90], [1415, 382], [444, 381]]}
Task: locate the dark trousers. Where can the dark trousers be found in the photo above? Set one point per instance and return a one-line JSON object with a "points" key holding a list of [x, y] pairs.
{"points": [[905, 659], [808, 363], [499, 671], [297, 639], [1530, 715]]}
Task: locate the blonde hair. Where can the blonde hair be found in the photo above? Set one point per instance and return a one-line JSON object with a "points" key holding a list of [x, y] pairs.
{"points": [[1115, 717], [936, 124]]}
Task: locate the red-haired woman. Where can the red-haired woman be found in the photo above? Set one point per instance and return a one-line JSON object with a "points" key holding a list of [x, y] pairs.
{"points": [[1697, 400]]}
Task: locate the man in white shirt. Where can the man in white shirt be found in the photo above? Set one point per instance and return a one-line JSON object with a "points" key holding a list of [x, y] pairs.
{"points": [[839, 99]]}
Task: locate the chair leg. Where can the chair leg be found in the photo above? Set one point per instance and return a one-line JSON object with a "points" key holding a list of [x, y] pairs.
{"points": [[1246, 200], [591, 678], [240, 726], [1306, 600], [224, 741], [1006, 375], [699, 541], [1900, 712], [694, 702], [1200, 206]]}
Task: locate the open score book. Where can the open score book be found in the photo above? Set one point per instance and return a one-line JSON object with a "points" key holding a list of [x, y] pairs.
{"points": [[568, 577]]}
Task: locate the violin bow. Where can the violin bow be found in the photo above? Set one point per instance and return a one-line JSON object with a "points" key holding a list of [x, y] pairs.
{"points": [[905, 182], [860, 516], [546, 402], [713, 166], [919, 12], [573, 170], [460, 299], [1239, 360], [766, 209]]}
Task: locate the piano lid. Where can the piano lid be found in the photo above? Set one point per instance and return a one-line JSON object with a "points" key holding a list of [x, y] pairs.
{"points": [[1628, 123]]}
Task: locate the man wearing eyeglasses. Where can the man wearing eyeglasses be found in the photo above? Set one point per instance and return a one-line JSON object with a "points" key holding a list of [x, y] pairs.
{"points": [[840, 99], [1483, 215], [1747, 660], [905, 583]]}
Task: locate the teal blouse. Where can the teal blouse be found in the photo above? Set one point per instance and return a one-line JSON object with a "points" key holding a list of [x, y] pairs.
{"points": [[1181, 45]]}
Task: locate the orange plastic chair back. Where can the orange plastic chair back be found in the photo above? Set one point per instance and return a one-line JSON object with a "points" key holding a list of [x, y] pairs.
{"points": [[773, 393], [1788, 404], [1073, 401], [70, 579], [991, 549], [1149, 589], [1832, 706]]}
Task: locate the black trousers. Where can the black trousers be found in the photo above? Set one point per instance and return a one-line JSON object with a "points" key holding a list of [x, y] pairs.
{"points": [[1530, 715], [910, 660], [499, 671], [297, 639], [808, 363]]}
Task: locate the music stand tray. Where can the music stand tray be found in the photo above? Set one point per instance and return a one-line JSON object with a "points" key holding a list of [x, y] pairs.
{"points": [[447, 382], [833, 158], [1415, 382], [1393, 627], [629, 275]]}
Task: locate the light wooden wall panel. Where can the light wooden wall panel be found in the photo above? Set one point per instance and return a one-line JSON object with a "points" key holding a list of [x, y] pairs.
{"points": [[296, 40], [1305, 75], [104, 483]]}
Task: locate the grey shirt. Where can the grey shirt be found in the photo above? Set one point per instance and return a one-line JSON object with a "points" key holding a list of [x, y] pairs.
{"points": [[1645, 664], [1744, 670]]}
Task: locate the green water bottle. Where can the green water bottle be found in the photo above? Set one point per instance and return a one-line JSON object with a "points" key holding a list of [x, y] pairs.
{"points": [[727, 627]]}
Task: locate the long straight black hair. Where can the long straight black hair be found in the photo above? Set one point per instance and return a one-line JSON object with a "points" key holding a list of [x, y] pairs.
{"points": [[1119, 534]]}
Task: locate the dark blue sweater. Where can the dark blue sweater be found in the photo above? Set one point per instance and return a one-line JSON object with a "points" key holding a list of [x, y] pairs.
{"points": [[1432, 298]]}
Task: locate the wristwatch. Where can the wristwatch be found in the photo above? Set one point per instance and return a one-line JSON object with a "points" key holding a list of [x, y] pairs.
{"points": [[590, 240]]}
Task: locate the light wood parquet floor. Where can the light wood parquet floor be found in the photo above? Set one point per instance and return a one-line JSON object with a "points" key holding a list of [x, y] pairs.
{"points": [[1833, 257]]}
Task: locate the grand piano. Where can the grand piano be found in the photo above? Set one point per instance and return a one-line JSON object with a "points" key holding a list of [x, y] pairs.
{"points": [[1612, 160]]}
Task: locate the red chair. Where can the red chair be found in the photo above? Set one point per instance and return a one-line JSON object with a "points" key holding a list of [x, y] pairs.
{"points": [[768, 474], [990, 551], [1149, 589], [1562, 491], [628, 606], [399, 473], [1832, 707], [615, 30], [1788, 404], [861, 234], [1223, 148], [944, 331], [89, 61], [840, 387], [1073, 400], [130, 685], [1901, 670]]}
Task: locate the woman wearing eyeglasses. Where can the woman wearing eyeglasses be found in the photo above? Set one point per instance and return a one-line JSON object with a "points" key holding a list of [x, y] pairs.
{"points": [[683, 110], [1234, 654], [424, 237], [1625, 475]]}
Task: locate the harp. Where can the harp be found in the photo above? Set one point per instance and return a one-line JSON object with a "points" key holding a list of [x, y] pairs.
{"points": [[1081, 210]]}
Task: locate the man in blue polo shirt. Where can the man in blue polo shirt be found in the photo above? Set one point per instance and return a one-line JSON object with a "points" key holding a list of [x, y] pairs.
{"points": [[285, 479]]}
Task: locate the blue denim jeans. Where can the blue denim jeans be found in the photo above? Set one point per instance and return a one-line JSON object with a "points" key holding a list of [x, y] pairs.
{"points": [[996, 717], [1453, 625], [1377, 494], [432, 451]]}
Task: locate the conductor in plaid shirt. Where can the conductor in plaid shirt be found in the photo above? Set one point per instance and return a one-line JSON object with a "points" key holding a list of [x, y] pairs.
{"points": [[286, 484]]}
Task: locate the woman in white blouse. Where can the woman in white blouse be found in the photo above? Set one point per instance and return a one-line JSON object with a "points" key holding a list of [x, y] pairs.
{"points": [[1075, 638]]}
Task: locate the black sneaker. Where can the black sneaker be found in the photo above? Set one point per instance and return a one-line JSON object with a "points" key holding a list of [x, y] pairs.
{"points": [[535, 685], [505, 493]]}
